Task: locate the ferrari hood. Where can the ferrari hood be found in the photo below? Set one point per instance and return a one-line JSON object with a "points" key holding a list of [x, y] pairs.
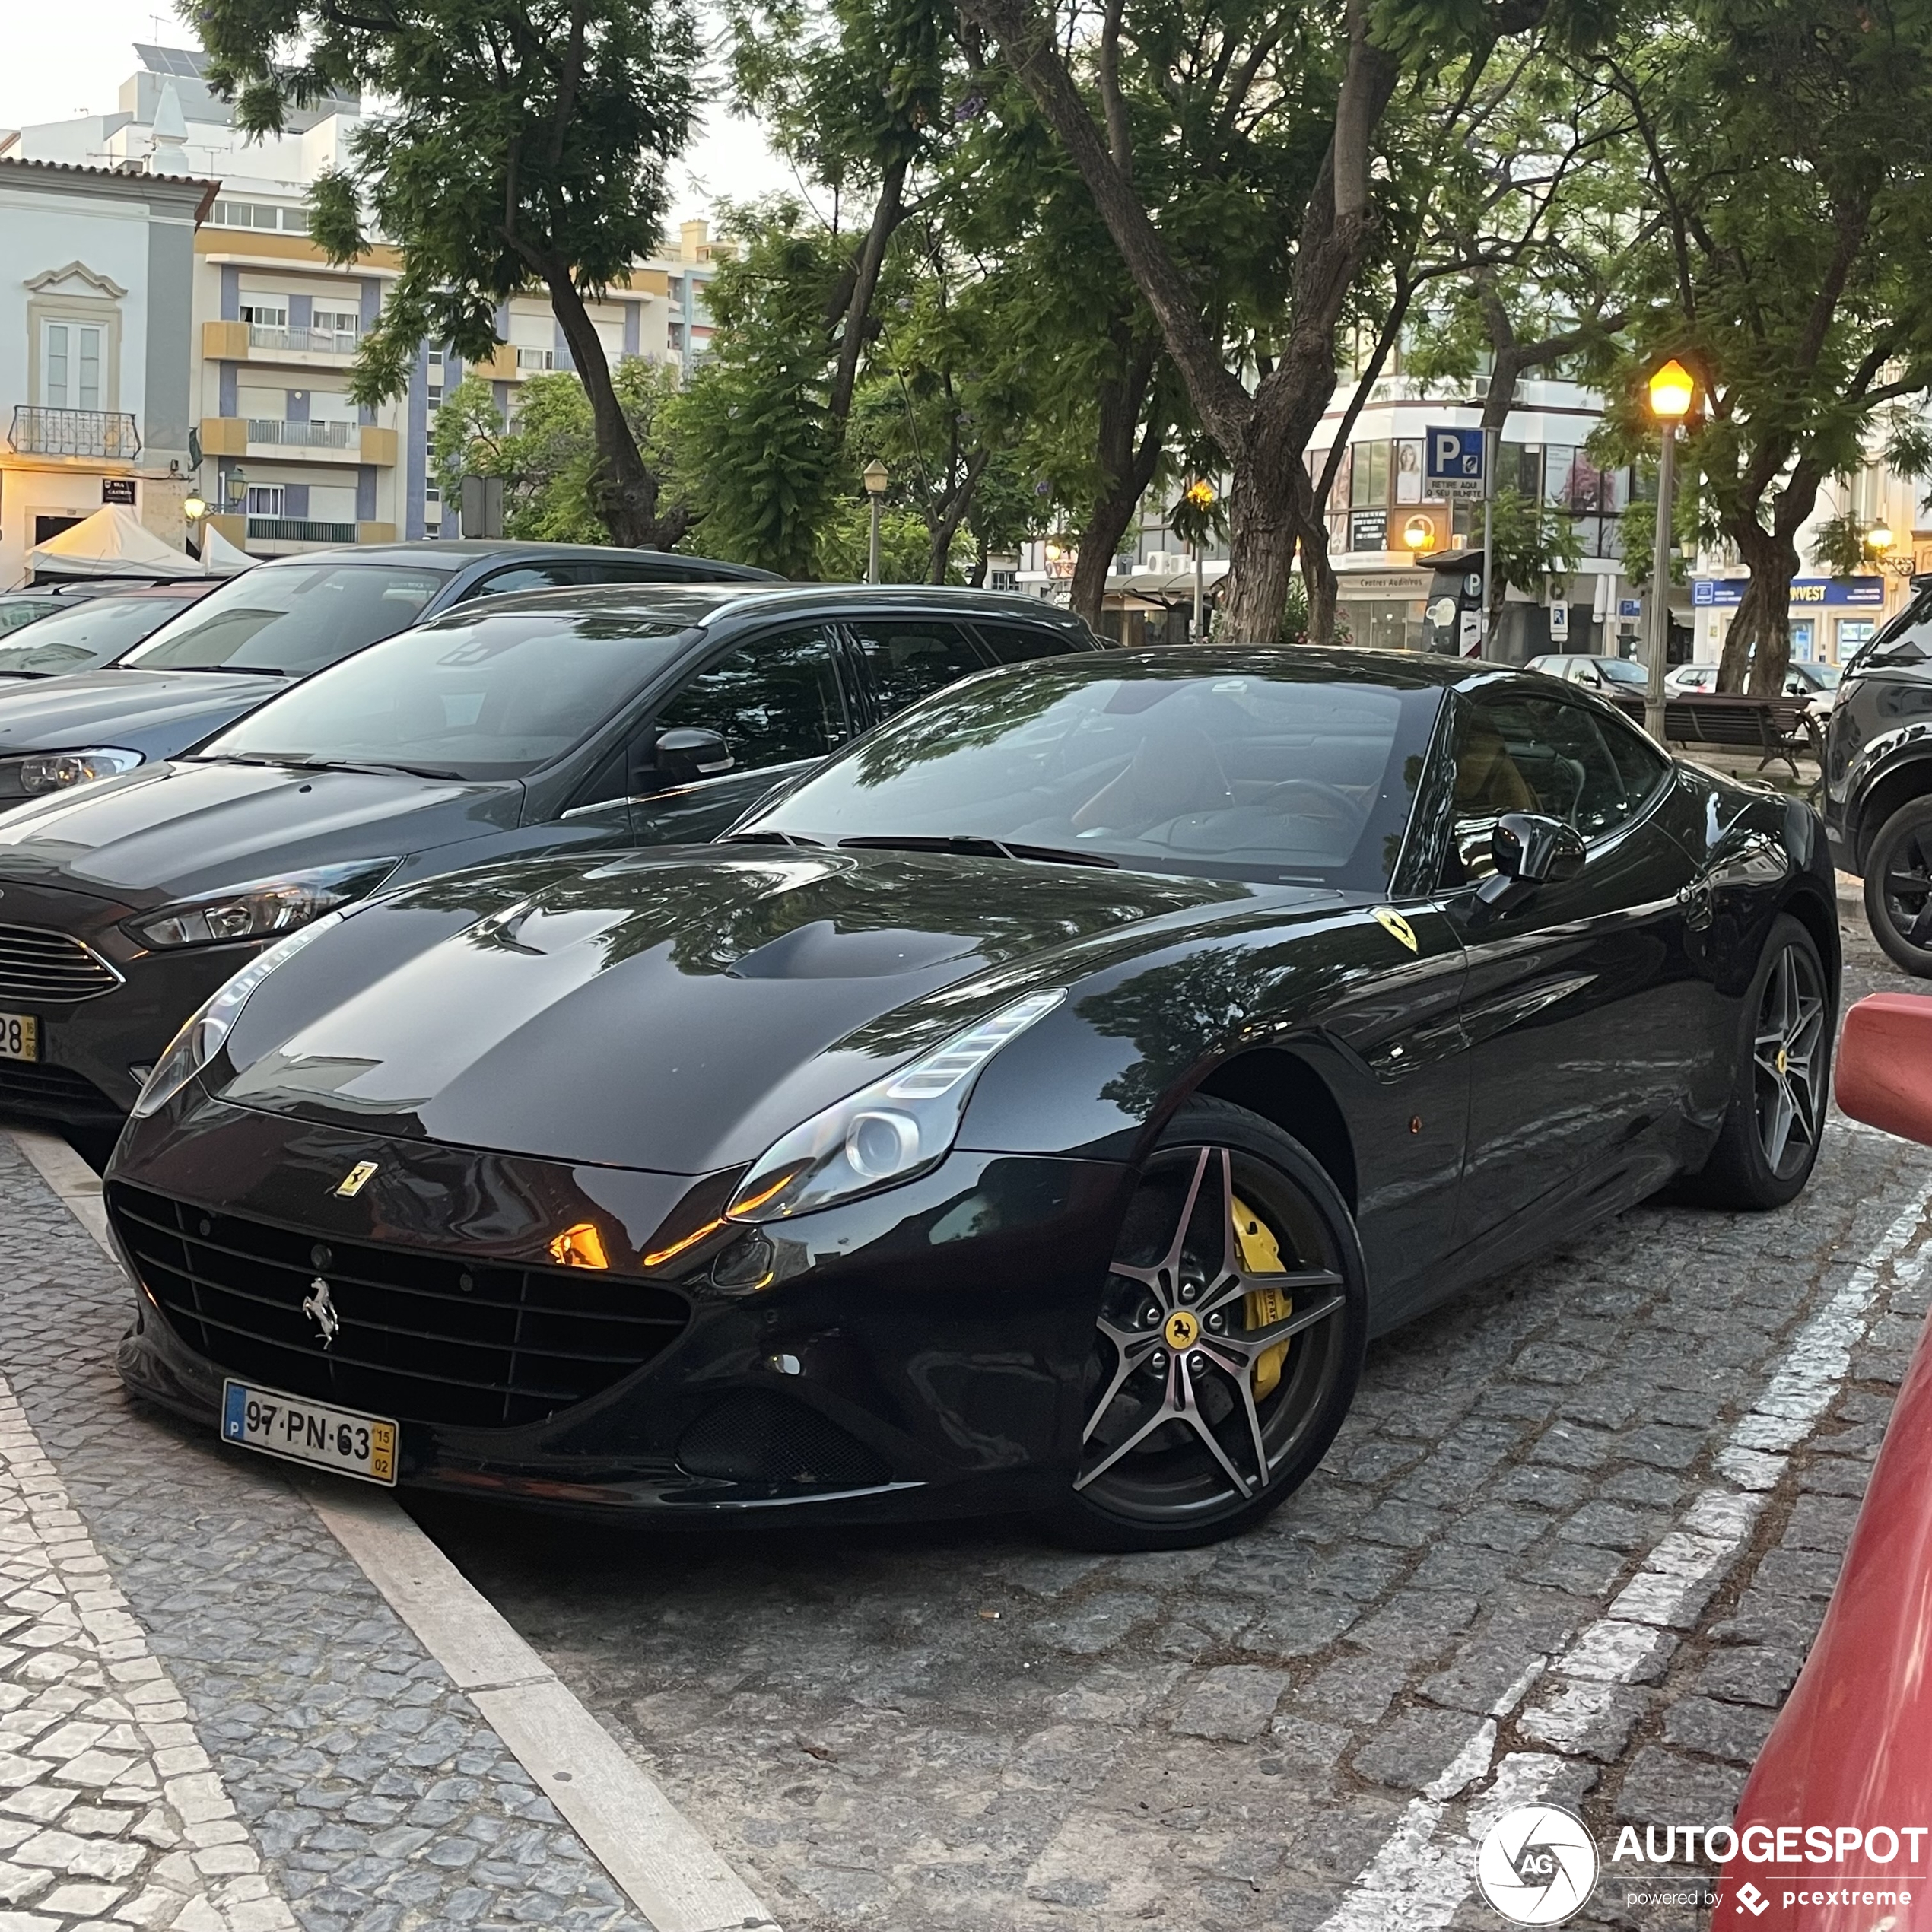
{"points": [[169, 831], [157, 712], [675, 1013]]}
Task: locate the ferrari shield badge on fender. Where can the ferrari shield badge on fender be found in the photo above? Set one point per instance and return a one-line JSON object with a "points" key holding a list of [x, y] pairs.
{"points": [[357, 1176], [1387, 917]]}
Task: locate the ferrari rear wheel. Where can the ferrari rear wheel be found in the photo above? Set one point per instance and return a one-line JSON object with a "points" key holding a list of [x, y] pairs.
{"points": [[1229, 1341]]}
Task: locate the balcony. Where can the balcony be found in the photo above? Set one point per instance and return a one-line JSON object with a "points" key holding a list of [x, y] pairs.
{"points": [[254, 341], [104, 433], [311, 435], [269, 438], [308, 342], [306, 529]]}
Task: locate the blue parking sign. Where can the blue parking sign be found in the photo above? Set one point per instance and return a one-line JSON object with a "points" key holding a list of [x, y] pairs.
{"points": [[1453, 461]]}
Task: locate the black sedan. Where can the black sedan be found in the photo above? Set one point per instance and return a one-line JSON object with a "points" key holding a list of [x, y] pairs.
{"points": [[245, 639], [539, 723], [1038, 1106]]}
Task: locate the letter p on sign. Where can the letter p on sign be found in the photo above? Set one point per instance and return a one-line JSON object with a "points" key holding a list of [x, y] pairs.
{"points": [[1448, 450]]}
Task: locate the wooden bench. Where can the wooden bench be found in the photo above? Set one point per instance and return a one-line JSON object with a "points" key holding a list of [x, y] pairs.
{"points": [[1786, 728]]}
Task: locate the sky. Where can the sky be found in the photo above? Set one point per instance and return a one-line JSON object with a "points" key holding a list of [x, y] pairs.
{"points": [[51, 72]]}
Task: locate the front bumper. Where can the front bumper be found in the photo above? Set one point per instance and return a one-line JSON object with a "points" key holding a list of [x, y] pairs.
{"points": [[922, 1352]]}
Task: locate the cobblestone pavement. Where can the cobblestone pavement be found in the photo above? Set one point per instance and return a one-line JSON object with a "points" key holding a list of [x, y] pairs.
{"points": [[1574, 1541], [209, 1719]]}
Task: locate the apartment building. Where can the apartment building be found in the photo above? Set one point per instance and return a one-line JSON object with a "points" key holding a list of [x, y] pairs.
{"points": [[266, 338]]}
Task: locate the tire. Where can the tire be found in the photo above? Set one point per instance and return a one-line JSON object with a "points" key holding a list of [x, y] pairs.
{"points": [[1224, 1362], [1899, 887], [1763, 1158]]}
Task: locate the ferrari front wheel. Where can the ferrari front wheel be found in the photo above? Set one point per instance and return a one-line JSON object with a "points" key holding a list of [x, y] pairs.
{"points": [[1229, 1341]]}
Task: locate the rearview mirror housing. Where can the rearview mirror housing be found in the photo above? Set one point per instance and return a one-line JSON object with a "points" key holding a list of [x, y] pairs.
{"points": [[1530, 849]]}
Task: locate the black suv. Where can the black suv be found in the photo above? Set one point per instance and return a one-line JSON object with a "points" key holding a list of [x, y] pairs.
{"points": [[252, 636], [1878, 780], [585, 720]]}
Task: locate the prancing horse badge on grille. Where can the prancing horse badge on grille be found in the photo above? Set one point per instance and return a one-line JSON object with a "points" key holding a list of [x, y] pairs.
{"points": [[320, 1309], [353, 1182]]}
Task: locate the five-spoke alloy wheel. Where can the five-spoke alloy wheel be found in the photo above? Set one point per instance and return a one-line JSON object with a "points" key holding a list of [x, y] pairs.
{"points": [[1228, 1341]]}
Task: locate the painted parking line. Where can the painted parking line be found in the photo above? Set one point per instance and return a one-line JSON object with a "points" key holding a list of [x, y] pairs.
{"points": [[1425, 1868], [675, 1877]]}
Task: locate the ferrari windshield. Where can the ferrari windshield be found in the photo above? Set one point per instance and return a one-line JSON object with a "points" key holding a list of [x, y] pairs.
{"points": [[1285, 773], [490, 697]]}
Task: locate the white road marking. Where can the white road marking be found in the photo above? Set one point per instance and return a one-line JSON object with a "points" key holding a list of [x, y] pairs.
{"points": [[1426, 1867]]}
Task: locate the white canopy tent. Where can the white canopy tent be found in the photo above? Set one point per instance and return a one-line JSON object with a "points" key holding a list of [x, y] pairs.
{"points": [[221, 558], [112, 542]]}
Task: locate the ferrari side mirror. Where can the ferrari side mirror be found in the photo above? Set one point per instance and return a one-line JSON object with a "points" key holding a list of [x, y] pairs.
{"points": [[1530, 849], [688, 753]]}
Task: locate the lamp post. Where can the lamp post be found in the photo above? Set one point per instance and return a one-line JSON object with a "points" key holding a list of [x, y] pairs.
{"points": [[1672, 391], [876, 478], [194, 508], [1201, 494]]}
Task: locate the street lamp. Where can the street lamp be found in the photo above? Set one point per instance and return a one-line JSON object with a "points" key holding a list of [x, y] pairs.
{"points": [[1419, 534], [1673, 389], [194, 508], [1201, 494], [876, 478]]}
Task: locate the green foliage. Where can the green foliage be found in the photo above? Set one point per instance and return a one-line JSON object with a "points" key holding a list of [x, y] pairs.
{"points": [[1534, 546], [1837, 545], [1294, 619], [548, 459]]}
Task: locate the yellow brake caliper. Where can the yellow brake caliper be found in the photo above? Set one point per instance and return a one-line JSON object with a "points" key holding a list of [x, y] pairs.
{"points": [[1261, 1307]]}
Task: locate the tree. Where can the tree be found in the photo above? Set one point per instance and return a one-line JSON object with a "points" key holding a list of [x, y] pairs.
{"points": [[1784, 145], [522, 142], [547, 457]]}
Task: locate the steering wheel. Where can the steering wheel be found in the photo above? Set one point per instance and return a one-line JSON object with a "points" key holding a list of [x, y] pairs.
{"points": [[1343, 809]]}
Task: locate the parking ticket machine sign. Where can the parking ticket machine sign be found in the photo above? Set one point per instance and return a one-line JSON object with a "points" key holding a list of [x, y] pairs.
{"points": [[1452, 464]]}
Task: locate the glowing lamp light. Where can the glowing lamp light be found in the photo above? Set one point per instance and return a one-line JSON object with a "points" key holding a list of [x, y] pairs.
{"points": [[579, 1247], [1419, 533], [1672, 390], [194, 509], [1201, 494], [1879, 537]]}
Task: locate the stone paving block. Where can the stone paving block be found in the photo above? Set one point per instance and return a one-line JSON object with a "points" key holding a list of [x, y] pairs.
{"points": [[1749, 1674], [1411, 1749], [1732, 1731], [1663, 1788], [1233, 1701]]}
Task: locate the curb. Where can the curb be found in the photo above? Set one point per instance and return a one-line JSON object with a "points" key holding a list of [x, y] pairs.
{"points": [[670, 1871]]}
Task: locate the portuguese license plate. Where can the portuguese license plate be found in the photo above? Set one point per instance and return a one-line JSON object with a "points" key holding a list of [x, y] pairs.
{"points": [[301, 1430], [20, 1037]]}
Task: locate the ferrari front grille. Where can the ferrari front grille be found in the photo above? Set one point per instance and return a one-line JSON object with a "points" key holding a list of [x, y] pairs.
{"points": [[424, 1337], [38, 965]]}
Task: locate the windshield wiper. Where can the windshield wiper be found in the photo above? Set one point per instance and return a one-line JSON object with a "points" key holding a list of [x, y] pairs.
{"points": [[977, 845], [772, 838], [225, 670], [288, 762]]}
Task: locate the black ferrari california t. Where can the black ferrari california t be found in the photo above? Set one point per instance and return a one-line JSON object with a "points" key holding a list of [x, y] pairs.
{"points": [[1037, 1106]]}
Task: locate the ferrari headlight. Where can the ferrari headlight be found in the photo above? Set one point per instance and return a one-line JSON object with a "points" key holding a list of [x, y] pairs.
{"points": [[195, 1045], [262, 907], [885, 1133], [55, 771]]}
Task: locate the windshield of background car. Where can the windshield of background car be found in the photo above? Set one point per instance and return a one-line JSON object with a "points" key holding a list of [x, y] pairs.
{"points": [[493, 697], [1274, 776], [291, 618], [17, 612], [1623, 671], [87, 634]]}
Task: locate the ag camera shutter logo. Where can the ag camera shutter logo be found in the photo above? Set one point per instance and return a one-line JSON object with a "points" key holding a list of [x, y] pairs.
{"points": [[1537, 1864]]}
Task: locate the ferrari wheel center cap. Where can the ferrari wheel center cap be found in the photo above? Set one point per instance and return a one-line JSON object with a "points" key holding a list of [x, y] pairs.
{"points": [[1784, 1061], [1183, 1329]]}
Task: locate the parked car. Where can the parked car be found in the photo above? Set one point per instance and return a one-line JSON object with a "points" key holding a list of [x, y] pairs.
{"points": [[1594, 673], [253, 635], [1852, 1746], [553, 719], [1878, 781], [1803, 678], [81, 635], [30, 605], [1036, 1106]]}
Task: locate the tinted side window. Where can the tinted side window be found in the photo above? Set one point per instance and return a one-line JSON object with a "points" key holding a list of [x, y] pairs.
{"points": [[1519, 753], [1906, 640], [773, 700], [1014, 643], [522, 576], [910, 657]]}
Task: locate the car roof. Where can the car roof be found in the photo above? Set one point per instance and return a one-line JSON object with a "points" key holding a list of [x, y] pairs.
{"points": [[454, 552], [706, 604]]}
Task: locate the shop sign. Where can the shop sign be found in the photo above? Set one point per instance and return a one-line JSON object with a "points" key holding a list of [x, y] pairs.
{"points": [[1726, 593], [1382, 583], [1369, 530], [117, 489]]}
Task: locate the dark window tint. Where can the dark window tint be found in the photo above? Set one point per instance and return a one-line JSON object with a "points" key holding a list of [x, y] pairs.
{"points": [[1014, 643], [291, 618], [773, 700], [84, 635], [15, 612], [522, 576], [1518, 754], [1906, 640], [910, 658]]}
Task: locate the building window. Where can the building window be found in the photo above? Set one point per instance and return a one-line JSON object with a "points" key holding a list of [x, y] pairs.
{"points": [[259, 214], [1369, 482], [536, 358], [268, 499], [265, 313], [70, 366]]}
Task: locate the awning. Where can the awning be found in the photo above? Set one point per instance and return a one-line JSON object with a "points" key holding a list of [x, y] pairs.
{"points": [[112, 542]]}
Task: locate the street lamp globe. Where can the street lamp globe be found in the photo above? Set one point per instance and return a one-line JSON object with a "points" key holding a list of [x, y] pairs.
{"points": [[1201, 494], [194, 509], [1879, 537], [1672, 390], [1419, 533], [875, 478]]}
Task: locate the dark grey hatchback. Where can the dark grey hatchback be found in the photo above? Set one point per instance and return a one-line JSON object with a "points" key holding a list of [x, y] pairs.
{"points": [[529, 724]]}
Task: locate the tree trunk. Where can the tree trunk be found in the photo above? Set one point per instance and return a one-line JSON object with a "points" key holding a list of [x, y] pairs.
{"points": [[1264, 520], [1318, 583], [939, 555], [1757, 650], [623, 492], [1128, 469], [887, 213]]}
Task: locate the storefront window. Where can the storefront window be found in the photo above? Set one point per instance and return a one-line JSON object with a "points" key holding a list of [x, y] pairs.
{"points": [[1370, 484], [1382, 623], [1853, 634], [1801, 633]]}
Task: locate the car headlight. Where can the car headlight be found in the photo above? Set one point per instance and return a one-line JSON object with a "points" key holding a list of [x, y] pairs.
{"points": [[885, 1133], [41, 772], [195, 1045], [261, 907]]}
